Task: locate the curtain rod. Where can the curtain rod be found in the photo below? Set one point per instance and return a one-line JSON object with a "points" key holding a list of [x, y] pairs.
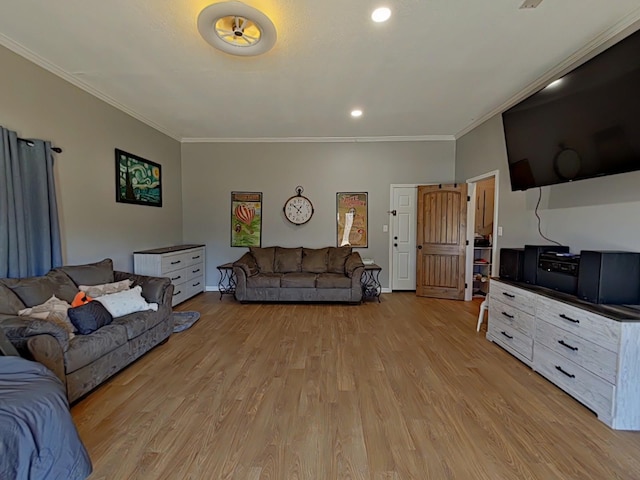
{"points": [[31, 144]]}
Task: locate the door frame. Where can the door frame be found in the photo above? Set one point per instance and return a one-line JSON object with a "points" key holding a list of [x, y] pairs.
{"points": [[471, 208]]}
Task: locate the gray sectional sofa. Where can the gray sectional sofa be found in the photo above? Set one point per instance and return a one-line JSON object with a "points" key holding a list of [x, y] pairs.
{"points": [[84, 361], [277, 274]]}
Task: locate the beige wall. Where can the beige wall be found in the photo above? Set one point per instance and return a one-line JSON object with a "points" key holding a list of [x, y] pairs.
{"points": [[599, 213], [38, 104], [210, 171]]}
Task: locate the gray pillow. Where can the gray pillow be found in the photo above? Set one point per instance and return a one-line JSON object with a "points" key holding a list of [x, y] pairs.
{"points": [[91, 273], [288, 260], [337, 258]]}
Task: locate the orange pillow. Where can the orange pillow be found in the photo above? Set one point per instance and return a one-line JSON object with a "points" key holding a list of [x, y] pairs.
{"points": [[81, 298]]}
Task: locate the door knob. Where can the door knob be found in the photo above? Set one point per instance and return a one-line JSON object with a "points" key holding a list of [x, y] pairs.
{"points": [[395, 238], [419, 247], [395, 244]]}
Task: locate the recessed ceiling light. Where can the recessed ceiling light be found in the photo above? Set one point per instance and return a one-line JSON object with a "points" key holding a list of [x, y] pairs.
{"points": [[555, 83], [381, 14], [356, 113]]}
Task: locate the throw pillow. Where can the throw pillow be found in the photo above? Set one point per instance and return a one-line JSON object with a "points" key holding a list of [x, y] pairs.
{"points": [[81, 298], [90, 274], [95, 291], [264, 258], [89, 317], [287, 260], [128, 301], [53, 310], [337, 258], [314, 260]]}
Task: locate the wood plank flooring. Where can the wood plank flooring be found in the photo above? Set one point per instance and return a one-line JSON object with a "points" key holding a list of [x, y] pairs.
{"points": [[404, 389]]}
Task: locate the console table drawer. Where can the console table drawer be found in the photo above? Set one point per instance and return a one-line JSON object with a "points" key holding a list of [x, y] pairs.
{"points": [[586, 387], [588, 355], [511, 316], [590, 326], [513, 296], [511, 338]]}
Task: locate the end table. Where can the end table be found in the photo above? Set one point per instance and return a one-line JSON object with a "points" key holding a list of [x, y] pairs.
{"points": [[227, 283], [370, 281]]}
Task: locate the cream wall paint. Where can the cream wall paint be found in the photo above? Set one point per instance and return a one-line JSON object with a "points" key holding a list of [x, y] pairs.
{"points": [[210, 171], [38, 104], [599, 213]]}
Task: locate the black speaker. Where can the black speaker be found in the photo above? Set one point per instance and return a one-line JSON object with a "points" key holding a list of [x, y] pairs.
{"points": [[609, 277], [511, 263], [531, 255]]}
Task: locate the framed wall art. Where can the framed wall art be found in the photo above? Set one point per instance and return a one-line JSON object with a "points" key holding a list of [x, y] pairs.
{"points": [[352, 219], [246, 219], [138, 180]]}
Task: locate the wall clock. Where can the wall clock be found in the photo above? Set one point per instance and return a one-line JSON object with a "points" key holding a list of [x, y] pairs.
{"points": [[298, 209]]}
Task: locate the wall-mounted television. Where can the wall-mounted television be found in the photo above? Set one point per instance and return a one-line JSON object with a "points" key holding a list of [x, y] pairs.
{"points": [[585, 125]]}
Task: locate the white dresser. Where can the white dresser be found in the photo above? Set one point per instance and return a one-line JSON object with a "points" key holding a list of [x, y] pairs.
{"points": [[590, 351], [183, 264]]}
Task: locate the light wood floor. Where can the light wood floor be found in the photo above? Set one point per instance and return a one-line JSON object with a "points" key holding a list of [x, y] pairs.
{"points": [[404, 389]]}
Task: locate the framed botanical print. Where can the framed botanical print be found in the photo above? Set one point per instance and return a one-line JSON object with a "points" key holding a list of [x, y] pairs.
{"points": [[138, 180], [352, 219], [246, 219]]}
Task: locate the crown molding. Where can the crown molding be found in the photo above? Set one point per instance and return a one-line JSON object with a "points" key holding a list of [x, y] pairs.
{"points": [[415, 138], [33, 57], [625, 27]]}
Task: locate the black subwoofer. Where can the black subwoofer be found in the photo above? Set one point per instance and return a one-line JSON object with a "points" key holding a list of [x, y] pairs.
{"points": [[512, 263], [609, 277]]}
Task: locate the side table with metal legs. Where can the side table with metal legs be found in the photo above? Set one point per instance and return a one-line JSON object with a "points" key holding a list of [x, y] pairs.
{"points": [[227, 283], [370, 281]]}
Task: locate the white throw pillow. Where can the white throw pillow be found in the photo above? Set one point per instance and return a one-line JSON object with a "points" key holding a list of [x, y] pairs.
{"points": [[95, 291], [53, 310], [128, 301]]}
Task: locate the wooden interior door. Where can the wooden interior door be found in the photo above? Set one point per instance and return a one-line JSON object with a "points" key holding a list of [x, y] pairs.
{"points": [[441, 241]]}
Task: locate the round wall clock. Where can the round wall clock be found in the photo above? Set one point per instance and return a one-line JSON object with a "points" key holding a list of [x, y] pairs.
{"points": [[298, 209]]}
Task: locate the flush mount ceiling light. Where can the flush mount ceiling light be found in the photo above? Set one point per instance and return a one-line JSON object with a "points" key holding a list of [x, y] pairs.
{"points": [[381, 14], [356, 113], [237, 29]]}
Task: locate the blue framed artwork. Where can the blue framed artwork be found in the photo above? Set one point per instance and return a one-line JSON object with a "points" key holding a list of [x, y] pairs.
{"points": [[138, 180]]}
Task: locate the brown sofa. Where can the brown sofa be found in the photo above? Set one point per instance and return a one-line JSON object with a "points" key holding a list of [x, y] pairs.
{"points": [[85, 361], [277, 274]]}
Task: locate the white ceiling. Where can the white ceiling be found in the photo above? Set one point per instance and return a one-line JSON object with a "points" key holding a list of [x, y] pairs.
{"points": [[435, 69]]}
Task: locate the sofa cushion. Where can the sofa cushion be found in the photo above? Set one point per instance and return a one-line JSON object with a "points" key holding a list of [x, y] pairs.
{"points": [[37, 290], [298, 280], [138, 323], [248, 264], [337, 258], [90, 274], [89, 317], [353, 261], [314, 260], [287, 260], [333, 280], [264, 258], [264, 280], [10, 303], [85, 349]]}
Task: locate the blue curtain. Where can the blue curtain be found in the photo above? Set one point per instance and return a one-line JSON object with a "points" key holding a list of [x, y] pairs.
{"points": [[29, 229]]}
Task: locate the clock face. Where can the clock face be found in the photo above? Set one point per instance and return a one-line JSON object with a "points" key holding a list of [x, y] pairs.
{"points": [[298, 209]]}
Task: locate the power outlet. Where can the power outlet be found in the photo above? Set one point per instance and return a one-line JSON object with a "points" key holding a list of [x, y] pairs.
{"points": [[499, 231], [385, 228]]}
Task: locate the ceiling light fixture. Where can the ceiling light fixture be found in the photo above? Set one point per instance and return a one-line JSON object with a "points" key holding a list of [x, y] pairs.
{"points": [[381, 14], [555, 83], [237, 29], [356, 113]]}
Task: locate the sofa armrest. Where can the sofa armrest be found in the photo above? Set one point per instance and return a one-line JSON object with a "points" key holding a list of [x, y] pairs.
{"points": [[46, 350], [154, 289], [19, 329], [353, 262], [248, 264], [241, 283]]}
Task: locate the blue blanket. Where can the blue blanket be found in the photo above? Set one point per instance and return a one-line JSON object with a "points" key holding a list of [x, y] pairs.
{"points": [[38, 439]]}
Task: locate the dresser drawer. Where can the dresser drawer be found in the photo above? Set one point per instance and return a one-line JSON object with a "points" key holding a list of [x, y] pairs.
{"points": [[511, 316], [195, 285], [178, 276], [588, 355], [586, 387], [513, 296], [590, 326], [194, 257], [510, 338], [173, 262], [195, 271], [180, 293]]}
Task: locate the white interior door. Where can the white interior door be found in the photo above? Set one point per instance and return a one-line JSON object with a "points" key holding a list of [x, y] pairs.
{"points": [[403, 238]]}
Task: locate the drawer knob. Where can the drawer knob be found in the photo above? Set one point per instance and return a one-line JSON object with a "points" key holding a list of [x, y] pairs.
{"points": [[195, 284], [573, 320], [176, 278], [507, 335], [196, 270], [195, 258], [508, 295], [561, 342], [176, 262], [507, 315], [177, 293], [561, 370]]}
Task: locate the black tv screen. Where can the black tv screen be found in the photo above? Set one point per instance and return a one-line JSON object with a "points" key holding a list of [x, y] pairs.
{"points": [[586, 125]]}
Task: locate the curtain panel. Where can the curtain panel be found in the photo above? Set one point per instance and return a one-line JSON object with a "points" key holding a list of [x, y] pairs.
{"points": [[30, 242]]}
